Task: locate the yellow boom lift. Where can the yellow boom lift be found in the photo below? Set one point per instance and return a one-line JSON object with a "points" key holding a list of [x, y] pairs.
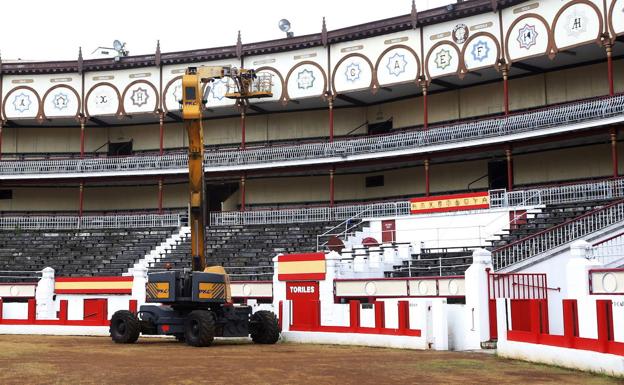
{"points": [[195, 306]]}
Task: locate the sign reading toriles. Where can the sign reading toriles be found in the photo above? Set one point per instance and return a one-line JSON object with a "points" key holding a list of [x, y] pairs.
{"points": [[456, 202]]}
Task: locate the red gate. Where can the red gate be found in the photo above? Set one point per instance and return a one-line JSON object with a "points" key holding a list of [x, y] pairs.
{"points": [[520, 288]]}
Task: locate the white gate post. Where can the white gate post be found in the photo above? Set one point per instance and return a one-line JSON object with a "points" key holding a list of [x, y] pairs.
{"points": [[477, 299], [44, 296], [139, 281]]}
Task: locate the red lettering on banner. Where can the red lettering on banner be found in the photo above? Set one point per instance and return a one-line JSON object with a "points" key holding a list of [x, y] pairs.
{"points": [[455, 202]]}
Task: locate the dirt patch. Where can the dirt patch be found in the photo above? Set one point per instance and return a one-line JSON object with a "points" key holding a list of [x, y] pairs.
{"points": [[96, 360]]}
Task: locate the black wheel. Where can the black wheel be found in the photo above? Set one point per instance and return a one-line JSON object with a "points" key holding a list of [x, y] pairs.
{"points": [[125, 327], [263, 327], [199, 328]]}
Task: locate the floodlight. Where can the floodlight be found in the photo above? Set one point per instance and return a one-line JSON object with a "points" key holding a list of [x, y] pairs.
{"points": [[284, 25]]}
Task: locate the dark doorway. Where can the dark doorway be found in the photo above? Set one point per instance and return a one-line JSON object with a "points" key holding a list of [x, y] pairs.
{"points": [[497, 174], [380, 128], [219, 192], [119, 148]]}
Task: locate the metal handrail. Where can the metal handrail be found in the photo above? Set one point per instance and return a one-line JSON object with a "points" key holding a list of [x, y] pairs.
{"points": [[558, 235], [525, 121], [608, 250], [90, 222]]}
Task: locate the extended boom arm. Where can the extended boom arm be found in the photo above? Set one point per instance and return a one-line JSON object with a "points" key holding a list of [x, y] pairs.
{"points": [[247, 86]]}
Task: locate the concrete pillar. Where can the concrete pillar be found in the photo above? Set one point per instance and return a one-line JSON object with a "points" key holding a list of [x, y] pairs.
{"points": [[577, 271], [45, 295], [139, 274], [477, 299]]}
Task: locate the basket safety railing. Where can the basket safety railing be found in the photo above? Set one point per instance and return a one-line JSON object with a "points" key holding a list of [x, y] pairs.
{"points": [[62, 222], [498, 127], [558, 235]]}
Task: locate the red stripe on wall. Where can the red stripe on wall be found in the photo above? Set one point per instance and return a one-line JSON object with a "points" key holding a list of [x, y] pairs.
{"points": [[93, 279], [301, 257], [93, 291], [301, 277]]}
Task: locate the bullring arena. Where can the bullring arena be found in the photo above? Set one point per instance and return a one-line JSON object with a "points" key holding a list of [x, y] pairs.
{"points": [[432, 197]]}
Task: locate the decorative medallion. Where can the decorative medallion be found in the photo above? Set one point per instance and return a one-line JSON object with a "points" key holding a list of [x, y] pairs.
{"points": [[22, 102], [305, 79], [60, 101], [353, 72], [576, 23], [102, 100], [480, 50], [396, 64], [139, 97], [527, 36], [219, 89], [443, 58], [460, 33]]}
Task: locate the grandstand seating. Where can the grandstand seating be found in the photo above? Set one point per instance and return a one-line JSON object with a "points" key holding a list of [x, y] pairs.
{"points": [[247, 250], [77, 253], [455, 261]]}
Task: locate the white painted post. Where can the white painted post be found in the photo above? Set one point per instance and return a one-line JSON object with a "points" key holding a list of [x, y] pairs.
{"points": [[45, 295], [139, 281], [279, 287], [577, 271], [477, 298]]}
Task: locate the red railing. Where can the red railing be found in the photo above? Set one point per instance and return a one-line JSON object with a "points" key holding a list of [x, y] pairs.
{"points": [[518, 285]]}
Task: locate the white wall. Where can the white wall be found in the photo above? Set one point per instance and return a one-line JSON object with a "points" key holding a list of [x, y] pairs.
{"points": [[453, 229]]}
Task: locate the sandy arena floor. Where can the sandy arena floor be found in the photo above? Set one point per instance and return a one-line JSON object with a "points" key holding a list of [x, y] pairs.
{"points": [[96, 360]]}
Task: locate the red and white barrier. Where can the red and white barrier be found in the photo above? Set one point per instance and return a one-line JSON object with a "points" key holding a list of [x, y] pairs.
{"points": [[315, 306], [76, 306], [592, 335]]}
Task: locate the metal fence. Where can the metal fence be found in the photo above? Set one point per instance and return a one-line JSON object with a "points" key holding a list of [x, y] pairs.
{"points": [[454, 133], [96, 165], [479, 129], [569, 193], [609, 250], [308, 214], [558, 235], [62, 222]]}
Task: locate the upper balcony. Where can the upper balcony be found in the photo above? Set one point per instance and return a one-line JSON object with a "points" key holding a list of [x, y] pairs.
{"points": [[569, 117]]}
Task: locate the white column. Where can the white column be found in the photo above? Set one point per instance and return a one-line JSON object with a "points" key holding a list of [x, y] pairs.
{"points": [[45, 295], [279, 287], [577, 271], [477, 297], [139, 275]]}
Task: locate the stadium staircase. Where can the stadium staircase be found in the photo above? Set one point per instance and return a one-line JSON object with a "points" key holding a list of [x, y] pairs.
{"points": [[533, 239], [77, 253]]}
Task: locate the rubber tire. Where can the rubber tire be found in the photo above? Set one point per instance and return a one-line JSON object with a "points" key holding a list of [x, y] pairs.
{"points": [[264, 328], [199, 328], [124, 327]]}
